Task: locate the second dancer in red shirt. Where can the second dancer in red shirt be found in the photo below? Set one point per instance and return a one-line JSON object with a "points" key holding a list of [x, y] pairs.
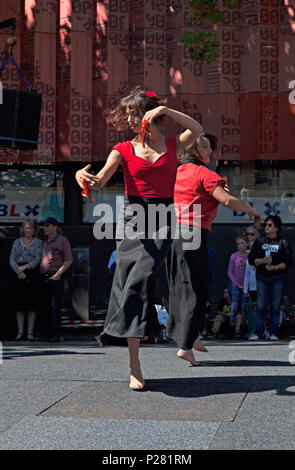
{"points": [[197, 194]]}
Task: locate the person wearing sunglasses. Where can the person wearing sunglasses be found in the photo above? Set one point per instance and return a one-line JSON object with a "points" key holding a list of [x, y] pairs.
{"points": [[250, 287], [272, 256]]}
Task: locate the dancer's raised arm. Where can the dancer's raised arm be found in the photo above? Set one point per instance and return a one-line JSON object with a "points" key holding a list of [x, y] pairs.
{"points": [[193, 127]]}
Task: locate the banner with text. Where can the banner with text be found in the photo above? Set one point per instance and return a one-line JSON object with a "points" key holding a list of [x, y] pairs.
{"points": [[16, 205], [283, 207]]}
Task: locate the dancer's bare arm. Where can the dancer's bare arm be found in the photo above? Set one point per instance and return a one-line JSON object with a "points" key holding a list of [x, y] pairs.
{"points": [[103, 176], [235, 204], [193, 127]]}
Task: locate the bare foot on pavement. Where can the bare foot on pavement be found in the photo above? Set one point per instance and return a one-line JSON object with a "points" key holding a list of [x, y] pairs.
{"points": [[136, 379], [188, 355]]}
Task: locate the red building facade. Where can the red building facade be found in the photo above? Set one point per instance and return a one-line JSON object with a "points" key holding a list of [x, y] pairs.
{"points": [[84, 55]]}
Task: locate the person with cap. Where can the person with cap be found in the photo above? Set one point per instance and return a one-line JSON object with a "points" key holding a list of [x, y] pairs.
{"points": [[56, 259]]}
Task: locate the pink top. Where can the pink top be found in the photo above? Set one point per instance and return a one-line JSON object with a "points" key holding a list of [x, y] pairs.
{"points": [[146, 179], [237, 268]]}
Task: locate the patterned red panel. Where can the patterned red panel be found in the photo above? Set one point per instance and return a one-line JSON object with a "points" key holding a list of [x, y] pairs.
{"points": [[230, 126], [249, 109], [174, 60], [81, 96], [192, 74], [155, 60], [174, 10], [136, 14], [118, 14], [81, 15], [287, 127], [45, 83], [155, 14], [250, 12], [286, 54], [63, 128], [250, 53], [117, 83], [269, 127], [211, 117], [99, 128], [80, 128], [45, 16], [179, 103], [85, 55]]}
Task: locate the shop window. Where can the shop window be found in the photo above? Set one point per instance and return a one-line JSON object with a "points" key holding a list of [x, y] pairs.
{"points": [[268, 184], [31, 193]]}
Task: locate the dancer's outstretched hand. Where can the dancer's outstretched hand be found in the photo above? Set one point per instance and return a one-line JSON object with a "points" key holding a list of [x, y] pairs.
{"points": [[84, 173], [257, 217]]}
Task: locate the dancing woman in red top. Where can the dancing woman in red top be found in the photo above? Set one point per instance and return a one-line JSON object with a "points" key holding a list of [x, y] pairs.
{"points": [[188, 268], [149, 169]]}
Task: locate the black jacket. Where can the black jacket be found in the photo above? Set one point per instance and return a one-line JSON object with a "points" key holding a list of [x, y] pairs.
{"points": [[279, 249]]}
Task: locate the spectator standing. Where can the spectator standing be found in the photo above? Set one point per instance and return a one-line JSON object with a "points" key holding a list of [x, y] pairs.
{"points": [[24, 259], [55, 261], [236, 273], [250, 283], [272, 256]]}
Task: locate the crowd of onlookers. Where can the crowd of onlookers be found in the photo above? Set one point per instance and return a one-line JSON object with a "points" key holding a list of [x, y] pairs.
{"points": [[257, 274], [39, 266], [252, 305]]}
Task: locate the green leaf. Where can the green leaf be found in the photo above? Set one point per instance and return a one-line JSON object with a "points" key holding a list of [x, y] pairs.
{"points": [[203, 46]]}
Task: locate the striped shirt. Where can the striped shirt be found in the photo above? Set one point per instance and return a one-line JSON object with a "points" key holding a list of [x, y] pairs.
{"points": [[54, 253]]}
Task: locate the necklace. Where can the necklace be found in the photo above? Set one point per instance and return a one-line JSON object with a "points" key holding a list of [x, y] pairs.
{"points": [[26, 242]]}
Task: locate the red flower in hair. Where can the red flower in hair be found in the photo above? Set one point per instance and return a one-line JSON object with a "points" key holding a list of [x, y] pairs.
{"points": [[151, 94]]}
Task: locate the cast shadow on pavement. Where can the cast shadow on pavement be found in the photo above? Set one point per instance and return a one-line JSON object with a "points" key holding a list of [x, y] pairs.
{"points": [[206, 386], [17, 352], [245, 363]]}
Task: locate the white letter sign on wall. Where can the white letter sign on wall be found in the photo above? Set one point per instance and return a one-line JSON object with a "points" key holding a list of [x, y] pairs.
{"points": [[292, 93]]}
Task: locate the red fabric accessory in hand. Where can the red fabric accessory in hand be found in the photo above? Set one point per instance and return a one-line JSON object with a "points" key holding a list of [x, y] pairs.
{"points": [[145, 130], [151, 94], [87, 189]]}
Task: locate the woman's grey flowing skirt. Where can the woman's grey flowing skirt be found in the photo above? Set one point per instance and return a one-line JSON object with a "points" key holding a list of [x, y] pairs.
{"points": [[131, 310], [188, 290]]}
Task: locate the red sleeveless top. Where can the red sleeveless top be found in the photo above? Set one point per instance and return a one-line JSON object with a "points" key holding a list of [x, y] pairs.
{"points": [[146, 179]]}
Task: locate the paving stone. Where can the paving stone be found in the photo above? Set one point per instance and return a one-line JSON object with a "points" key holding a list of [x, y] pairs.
{"points": [[264, 421], [92, 434], [162, 400], [240, 397]]}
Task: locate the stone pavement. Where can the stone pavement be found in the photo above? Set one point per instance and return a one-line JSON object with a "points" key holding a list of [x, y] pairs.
{"points": [[74, 395]]}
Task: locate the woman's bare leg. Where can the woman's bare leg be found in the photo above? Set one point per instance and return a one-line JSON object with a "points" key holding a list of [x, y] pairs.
{"points": [[31, 323], [136, 379], [20, 318]]}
